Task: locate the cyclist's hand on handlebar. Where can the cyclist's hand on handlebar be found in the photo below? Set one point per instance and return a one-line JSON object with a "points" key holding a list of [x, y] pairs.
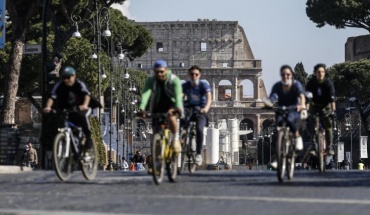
{"points": [[203, 110], [333, 115], [83, 107], [301, 107], [47, 109], [142, 113]]}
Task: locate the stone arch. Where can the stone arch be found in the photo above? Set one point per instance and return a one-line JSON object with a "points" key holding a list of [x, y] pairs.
{"points": [[247, 124], [224, 90], [246, 89], [267, 123]]}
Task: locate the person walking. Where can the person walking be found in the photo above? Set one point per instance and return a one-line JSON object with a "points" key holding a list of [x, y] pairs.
{"points": [[124, 164], [32, 156]]}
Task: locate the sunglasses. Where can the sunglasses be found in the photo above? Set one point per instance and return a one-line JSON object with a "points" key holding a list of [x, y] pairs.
{"points": [[66, 77], [194, 74], [159, 71], [285, 75]]}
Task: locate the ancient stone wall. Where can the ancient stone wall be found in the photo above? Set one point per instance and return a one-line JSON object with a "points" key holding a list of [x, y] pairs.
{"points": [[357, 48]]}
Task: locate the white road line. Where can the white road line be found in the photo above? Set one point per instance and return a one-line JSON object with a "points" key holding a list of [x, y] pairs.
{"points": [[50, 212], [231, 198], [270, 199]]}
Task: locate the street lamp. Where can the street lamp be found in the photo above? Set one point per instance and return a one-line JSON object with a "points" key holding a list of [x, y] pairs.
{"points": [[100, 20], [348, 125]]}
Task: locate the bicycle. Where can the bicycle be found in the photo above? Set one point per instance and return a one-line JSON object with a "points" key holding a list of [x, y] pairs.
{"points": [[67, 150], [163, 156], [285, 149], [319, 141], [189, 140]]}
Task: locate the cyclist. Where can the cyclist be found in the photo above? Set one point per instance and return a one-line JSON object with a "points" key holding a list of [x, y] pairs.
{"points": [[165, 91], [288, 92], [197, 94], [323, 104], [69, 93]]}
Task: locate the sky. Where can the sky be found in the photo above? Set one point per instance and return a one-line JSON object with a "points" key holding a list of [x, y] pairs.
{"points": [[278, 31]]}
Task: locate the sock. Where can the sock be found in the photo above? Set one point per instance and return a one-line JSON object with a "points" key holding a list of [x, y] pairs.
{"points": [[177, 136]]}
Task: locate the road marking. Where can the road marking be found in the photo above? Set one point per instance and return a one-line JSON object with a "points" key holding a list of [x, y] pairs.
{"points": [[50, 212], [230, 198], [269, 199]]}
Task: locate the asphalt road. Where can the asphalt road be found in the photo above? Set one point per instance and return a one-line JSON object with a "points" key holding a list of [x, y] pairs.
{"points": [[205, 192]]}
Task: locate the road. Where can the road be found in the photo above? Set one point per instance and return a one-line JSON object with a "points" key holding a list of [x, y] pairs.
{"points": [[205, 192]]}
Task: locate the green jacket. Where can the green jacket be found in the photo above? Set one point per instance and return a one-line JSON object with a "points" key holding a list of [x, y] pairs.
{"points": [[152, 92]]}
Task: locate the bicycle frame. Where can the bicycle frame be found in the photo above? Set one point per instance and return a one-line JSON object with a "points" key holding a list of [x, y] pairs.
{"points": [[67, 130]]}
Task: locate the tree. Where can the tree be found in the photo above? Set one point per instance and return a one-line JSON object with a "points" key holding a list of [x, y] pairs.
{"points": [[339, 13], [28, 31], [21, 14], [300, 74], [351, 79]]}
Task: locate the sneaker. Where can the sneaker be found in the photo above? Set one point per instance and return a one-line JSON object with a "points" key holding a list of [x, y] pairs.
{"points": [[198, 159], [177, 146], [298, 143], [330, 150], [313, 149], [274, 164]]}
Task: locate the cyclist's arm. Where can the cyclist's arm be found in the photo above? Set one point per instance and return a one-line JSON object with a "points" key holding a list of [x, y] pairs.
{"points": [[209, 101], [86, 101], [146, 93], [332, 95], [178, 93], [53, 96]]}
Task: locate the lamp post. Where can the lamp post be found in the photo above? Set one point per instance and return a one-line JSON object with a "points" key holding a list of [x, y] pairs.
{"points": [[127, 105], [348, 119], [100, 20], [262, 140]]}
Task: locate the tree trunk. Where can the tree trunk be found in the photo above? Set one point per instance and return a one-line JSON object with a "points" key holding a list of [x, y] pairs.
{"points": [[11, 82]]}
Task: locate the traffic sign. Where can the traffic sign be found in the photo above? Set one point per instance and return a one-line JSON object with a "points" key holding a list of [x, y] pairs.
{"points": [[32, 49]]}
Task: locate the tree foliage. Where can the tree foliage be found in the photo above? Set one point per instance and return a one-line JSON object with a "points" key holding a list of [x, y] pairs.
{"points": [[339, 13], [300, 74], [351, 79]]}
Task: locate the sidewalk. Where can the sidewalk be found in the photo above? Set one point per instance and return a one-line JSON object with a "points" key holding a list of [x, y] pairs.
{"points": [[14, 169]]}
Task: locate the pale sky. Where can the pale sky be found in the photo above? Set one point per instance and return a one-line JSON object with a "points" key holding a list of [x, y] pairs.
{"points": [[279, 31]]}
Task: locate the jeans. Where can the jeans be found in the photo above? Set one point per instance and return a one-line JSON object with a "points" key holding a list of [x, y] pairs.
{"points": [[291, 119], [200, 124], [322, 113]]}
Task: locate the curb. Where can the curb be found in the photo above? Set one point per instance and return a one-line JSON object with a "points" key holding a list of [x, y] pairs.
{"points": [[14, 169]]}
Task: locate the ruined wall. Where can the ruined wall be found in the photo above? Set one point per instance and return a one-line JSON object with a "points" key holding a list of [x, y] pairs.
{"points": [[357, 48]]}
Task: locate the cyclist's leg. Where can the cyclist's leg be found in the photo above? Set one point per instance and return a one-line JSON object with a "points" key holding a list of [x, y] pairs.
{"points": [[173, 126], [314, 123], [292, 120], [81, 119], [327, 123], [201, 123]]}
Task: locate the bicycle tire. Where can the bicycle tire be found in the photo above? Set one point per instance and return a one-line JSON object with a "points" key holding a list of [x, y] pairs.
{"points": [[321, 152], [291, 162], [90, 168], [192, 166], [280, 151], [183, 155], [62, 166], [158, 158], [171, 166]]}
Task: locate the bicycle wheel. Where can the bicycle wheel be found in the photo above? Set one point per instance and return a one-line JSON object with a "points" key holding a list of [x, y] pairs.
{"points": [[291, 162], [191, 156], [183, 154], [158, 158], [321, 151], [280, 155], [171, 165], [90, 164], [62, 163]]}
